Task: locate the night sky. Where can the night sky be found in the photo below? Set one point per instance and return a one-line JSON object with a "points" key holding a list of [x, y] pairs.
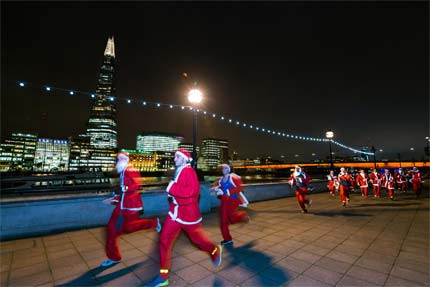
{"points": [[360, 69]]}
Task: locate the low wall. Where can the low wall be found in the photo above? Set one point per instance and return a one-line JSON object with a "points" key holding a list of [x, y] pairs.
{"points": [[40, 217]]}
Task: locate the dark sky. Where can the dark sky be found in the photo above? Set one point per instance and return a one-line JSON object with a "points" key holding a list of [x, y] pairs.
{"points": [[360, 69]]}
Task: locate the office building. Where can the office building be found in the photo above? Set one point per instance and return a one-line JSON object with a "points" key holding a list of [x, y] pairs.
{"points": [[150, 142], [17, 153], [156, 161], [189, 147], [213, 153], [51, 155]]}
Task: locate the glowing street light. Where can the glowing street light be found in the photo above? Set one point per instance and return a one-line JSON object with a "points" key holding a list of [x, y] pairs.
{"points": [[330, 135], [195, 96]]}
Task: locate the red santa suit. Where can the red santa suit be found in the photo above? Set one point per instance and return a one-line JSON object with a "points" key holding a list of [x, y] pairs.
{"points": [[300, 181], [125, 216], [331, 183], [387, 181], [229, 190], [416, 181], [184, 214], [361, 181], [400, 179], [344, 186], [375, 177]]}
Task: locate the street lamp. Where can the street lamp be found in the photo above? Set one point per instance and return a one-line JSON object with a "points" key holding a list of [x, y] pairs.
{"points": [[330, 135], [195, 97], [427, 149]]}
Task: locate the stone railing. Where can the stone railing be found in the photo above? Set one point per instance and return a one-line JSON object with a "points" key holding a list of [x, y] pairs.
{"points": [[40, 217]]}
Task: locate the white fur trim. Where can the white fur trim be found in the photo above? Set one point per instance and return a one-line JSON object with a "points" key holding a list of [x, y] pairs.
{"points": [[183, 155]]}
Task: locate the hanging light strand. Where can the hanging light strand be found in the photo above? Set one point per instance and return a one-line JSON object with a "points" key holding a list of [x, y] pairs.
{"points": [[204, 113]]}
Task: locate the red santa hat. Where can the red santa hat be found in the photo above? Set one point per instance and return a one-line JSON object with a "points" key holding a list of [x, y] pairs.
{"points": [[123, 156], [184, 153]]}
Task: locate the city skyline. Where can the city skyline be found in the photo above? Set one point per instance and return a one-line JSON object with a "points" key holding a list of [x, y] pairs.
{"points": [[300, 84]]}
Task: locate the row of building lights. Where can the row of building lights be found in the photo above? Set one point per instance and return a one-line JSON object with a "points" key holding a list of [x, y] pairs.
{"points": [[195, 97]]}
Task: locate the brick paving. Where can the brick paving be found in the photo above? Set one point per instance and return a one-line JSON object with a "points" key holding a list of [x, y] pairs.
{"points": [[374, 242]]}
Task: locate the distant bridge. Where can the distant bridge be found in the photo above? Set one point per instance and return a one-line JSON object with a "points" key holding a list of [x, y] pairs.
{"points": [[355, 165]]}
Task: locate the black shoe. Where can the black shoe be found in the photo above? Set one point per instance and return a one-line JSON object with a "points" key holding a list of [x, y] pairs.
{"points": [[225, 242]]}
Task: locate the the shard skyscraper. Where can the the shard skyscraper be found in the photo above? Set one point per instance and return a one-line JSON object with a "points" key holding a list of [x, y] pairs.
{"points": [[102, 124]]}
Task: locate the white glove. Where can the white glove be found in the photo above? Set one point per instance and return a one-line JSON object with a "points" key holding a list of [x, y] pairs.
{"points": [[219, 192]]}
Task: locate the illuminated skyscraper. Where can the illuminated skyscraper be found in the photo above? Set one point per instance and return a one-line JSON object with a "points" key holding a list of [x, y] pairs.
{"points": [[213, 153], [150, 142], [102, 125], [17, 153], [188, 147]]}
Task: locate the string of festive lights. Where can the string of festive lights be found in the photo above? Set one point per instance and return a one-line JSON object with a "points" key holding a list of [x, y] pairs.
{"points": [[222, 118]]}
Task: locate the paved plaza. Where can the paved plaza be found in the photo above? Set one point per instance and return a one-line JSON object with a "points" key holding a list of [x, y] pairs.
{"points": [[374, 242]]}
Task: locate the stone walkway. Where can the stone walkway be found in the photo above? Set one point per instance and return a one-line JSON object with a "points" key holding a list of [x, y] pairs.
{"points": [[374, 242]]}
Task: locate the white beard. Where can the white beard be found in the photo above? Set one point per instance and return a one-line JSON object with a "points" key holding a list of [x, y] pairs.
{"points": [[120, 166]]}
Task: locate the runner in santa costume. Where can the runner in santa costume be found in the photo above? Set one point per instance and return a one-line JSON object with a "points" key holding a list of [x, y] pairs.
{"points": [[229, 190], [344, 186], [416, 181], [362, 180], [400, 179], [184, 214], [353, 181], [128, 205], [301, 181], [331, 183], [375, 178], [387, 181]]}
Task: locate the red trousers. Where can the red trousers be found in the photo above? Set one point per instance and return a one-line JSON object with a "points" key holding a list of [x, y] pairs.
{"points": [[363, 191], [331, 188], [402, 186], [123, 221], [417, 187], [376, 190], [390, 192], [230, 215], [344, 193], [302, 197], [168, 235]]}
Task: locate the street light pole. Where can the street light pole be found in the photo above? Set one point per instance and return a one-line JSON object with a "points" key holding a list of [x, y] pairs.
{"points": [[330, 135], [400, 160], [427, 149], [194, 162], [195, 97]]}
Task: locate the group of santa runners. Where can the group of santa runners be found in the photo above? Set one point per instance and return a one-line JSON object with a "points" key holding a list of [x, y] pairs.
{"points": [[346, 181], [184, 213]]}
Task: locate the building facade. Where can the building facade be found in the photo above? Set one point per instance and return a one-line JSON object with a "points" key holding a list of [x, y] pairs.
{"points": [[17, 153], [213, 153], [157, 161], [150, 142], [189, 147], [51, 155], [102, 124]]}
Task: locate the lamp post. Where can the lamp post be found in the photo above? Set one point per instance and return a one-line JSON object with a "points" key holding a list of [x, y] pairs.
{"points": [[427, 149], [400, 160], [194, 97], [330, 135]]}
